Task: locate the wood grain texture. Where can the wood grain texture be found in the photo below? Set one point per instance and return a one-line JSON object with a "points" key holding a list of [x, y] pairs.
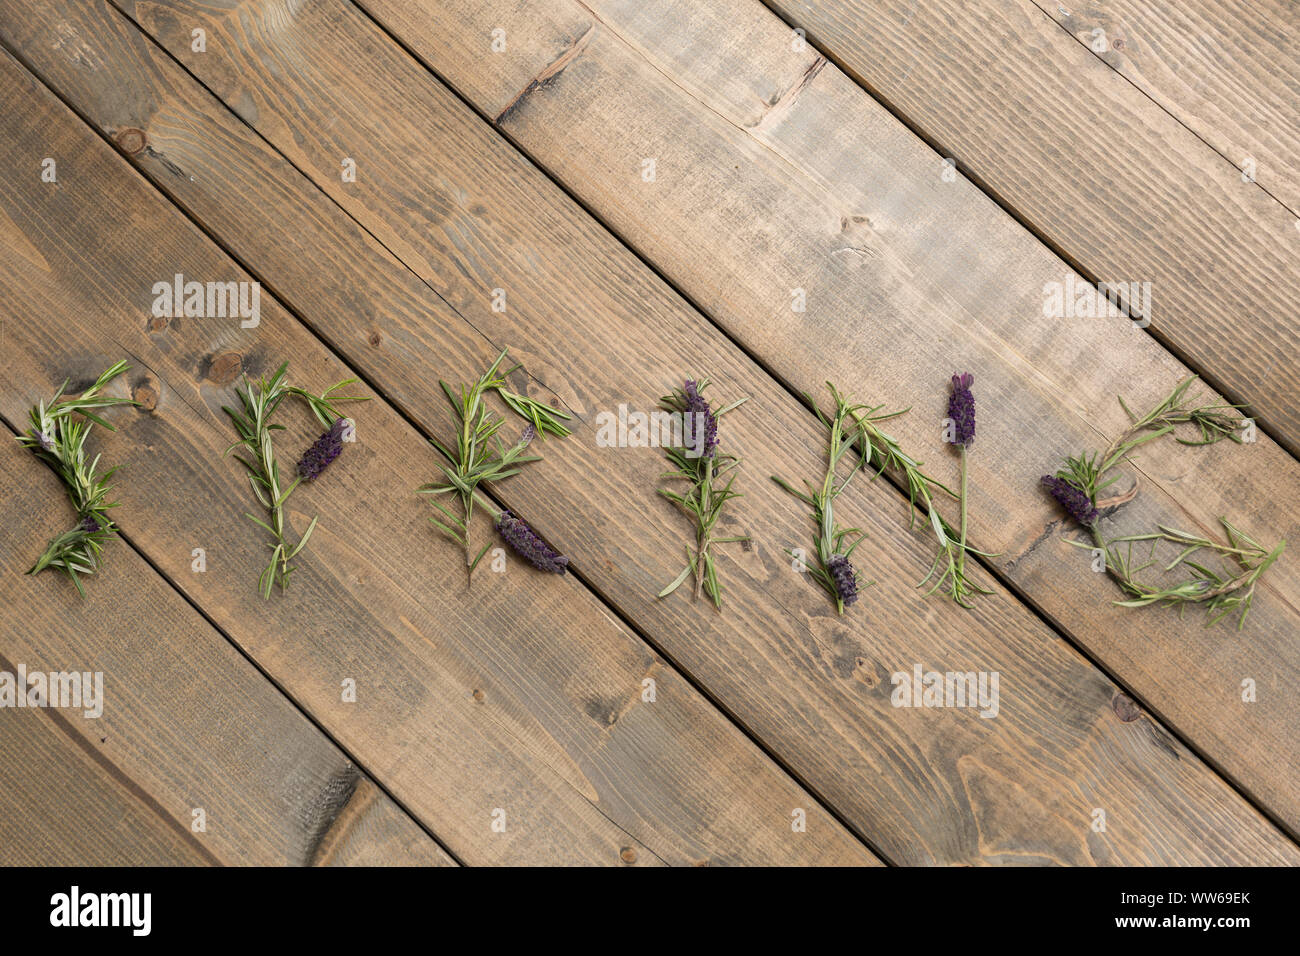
{"points": [[1111, 179], [598, 329], [60, 807], [909, 278], [187, 723], [1229, 72], [524, 696]]}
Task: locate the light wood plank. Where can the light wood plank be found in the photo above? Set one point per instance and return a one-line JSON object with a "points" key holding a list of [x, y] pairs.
{"points": [[1229, 72], [524, 696], [909, 278], [174, 734], [810, 686]]}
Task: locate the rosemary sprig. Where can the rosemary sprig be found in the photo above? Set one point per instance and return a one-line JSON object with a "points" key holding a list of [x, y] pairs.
{"points": [[254, 424], [479, 454], [699, 463], [885, 454], [1222, 592], [834, 544], [1076, 487], [58, 437], [861, 425]]}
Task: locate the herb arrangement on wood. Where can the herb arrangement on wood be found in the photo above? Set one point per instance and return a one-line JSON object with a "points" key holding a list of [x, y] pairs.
{"points": [[255, 422], [480, 455], [1076, 487], [835, 544], [853, 426], [58, 436], [709, 475]]}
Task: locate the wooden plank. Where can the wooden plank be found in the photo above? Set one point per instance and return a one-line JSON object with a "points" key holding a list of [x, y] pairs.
{"points": [[524, 696], [908, 277], [172, 735], [1229, 72], [1098, 169], [600, 329], [60, 807]]}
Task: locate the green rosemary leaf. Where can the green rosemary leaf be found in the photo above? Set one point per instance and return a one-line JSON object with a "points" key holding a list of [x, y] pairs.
{"points": [[473, 564], [700, 463], [677, 581], [806, 499], [259, 522], [1220, 591], [302, 542], [479, 454], [730, 407]]}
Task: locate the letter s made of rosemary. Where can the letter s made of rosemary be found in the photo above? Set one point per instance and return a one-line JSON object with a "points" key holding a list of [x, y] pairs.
{"points": [[58, 436]]}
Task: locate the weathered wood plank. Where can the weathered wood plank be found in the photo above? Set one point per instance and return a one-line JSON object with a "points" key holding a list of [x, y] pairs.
{"points": [[908, 277], [600, 330], [1098, 169], [173, 736], [524, 695], [60, 807], [1229, 72]]}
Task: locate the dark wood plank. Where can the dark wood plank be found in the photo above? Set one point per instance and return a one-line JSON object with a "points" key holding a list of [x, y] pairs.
{"points": [[908, 278], [174, 732], [1106, 175], [524, 695], [810, 686]]}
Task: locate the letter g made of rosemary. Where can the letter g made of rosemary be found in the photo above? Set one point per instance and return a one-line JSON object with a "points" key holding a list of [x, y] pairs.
{"points": [[1223, 586]]}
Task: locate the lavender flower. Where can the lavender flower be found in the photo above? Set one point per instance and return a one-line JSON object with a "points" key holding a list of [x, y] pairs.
{"points": [[1072, 499], [526, 438], [323, 451], [89, 524], [525, 543], [46, 442], [696, 405], [845, 578], [961, 409]]}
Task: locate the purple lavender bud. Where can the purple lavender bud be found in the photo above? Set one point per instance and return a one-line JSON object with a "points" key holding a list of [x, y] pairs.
{"points": [[89, 524], [46, 442], [696, 405], [961, 409], [323, 451], [526, 438], [845, 578], [1072, 499], [525, 543]]}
